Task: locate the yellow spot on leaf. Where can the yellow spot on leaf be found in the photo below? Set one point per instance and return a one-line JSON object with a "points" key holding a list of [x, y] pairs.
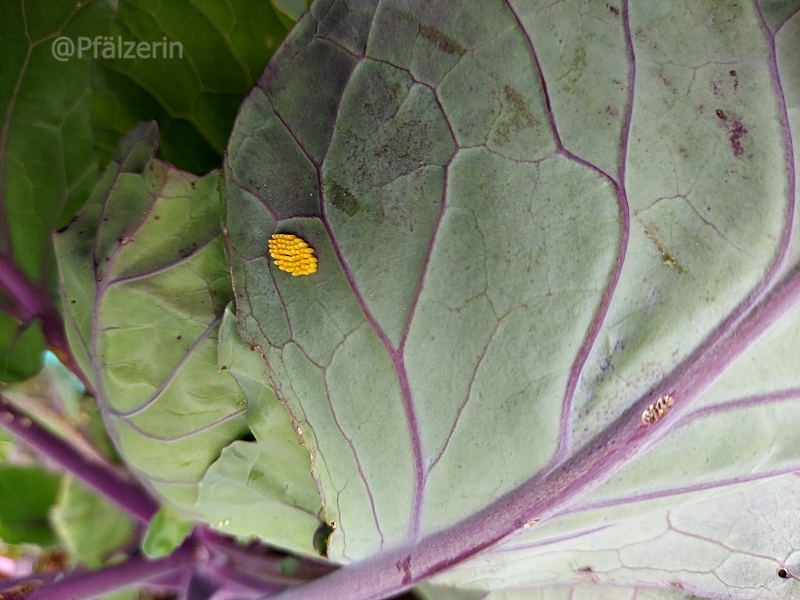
{"points": [[292, 254]]}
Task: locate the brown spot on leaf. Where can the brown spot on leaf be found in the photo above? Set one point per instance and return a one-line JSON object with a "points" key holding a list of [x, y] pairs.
{"points": [[611, 111], [442, 41], [404, 566], [188, 250], [721, 114], [738, 131], [614, 10], [668, 259], [519, 116]]}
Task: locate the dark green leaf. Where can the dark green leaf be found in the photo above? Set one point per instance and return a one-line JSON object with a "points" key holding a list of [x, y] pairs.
{"points": [[47, 162], [26, 496], [213, 54]]}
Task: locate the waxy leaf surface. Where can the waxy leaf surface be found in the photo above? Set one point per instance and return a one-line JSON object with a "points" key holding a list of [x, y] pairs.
{"points": [[532, 220]]}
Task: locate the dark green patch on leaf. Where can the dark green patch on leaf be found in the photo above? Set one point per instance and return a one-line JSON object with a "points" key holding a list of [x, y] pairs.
{"points": [[340, 197]]}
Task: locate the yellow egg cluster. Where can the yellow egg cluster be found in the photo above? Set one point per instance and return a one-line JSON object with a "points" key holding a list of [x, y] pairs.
{"points": [[292, 254]]}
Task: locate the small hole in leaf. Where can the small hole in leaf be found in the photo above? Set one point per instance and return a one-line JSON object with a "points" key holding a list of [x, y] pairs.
{"points": [[783, 573]]}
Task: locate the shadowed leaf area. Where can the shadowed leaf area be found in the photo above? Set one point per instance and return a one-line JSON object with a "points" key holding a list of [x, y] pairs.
{"points": [[47, 164], [208, 54], [185, 64]]}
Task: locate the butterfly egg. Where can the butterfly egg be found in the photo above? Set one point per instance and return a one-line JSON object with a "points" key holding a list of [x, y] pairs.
{"points": [[292, 254]]}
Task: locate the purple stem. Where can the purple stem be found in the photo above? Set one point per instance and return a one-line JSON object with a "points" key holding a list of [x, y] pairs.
{"points": [[103, 478], [29, 303], [19, 585], [260, 561], [132, 571], [244, 582]]}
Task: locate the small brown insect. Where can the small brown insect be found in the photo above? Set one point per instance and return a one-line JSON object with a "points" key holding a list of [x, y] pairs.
{"points": [[531, 522], [656, 411]]}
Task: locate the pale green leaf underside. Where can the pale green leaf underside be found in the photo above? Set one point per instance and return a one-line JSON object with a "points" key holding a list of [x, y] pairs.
{"points": [[393, 156], [261, 488], [145, 283], [727, 543], [527, 216]]}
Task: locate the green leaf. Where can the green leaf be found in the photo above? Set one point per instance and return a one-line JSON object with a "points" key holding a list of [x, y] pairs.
{"points": [[263, 488], [165, 533], [7, 445], [21, 349], [293, 9], [426, 591], [26, 495], [343, 353], [125, 595], [193, 86], [47, 162], [716, 532], [89, 526], [148, 253], [253, 490], [533, 220]]}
